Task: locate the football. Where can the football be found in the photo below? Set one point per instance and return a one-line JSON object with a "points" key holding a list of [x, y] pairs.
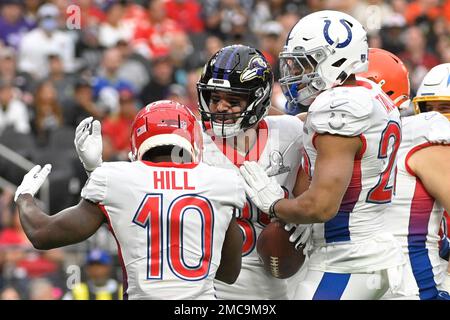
{"points": [[278, 254]]}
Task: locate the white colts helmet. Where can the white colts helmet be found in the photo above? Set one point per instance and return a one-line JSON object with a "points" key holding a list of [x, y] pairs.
{"points": [[322, 50], [434, 87]]}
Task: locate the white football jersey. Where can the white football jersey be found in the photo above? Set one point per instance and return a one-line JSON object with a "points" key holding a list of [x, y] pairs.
{"points": [[278, 150], [414, 216], [169, 222], [354, 240]]}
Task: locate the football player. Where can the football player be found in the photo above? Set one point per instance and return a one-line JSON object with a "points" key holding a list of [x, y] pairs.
{"points": [[173, 220], [234, 94], [434, 95], [421, 191], [351, 138]]}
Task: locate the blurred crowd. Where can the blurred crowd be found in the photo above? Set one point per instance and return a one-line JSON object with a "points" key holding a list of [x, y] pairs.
{"points": [[64, 60]]}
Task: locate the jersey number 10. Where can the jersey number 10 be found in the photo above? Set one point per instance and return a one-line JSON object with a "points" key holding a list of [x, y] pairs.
{"points": [[150, 216]]}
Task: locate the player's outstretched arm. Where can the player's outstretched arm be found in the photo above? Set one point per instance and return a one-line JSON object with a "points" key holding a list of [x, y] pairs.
{"points": [[332, 174], [230, 262], [424, 164], [69, 226]]}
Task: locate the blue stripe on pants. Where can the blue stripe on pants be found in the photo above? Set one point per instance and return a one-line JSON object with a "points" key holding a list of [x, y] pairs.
{"points": [[423, 272], [332, 286]]}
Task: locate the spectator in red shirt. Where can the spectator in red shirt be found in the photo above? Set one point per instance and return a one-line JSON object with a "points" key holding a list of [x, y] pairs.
{"points": [[91, 15], [28, 263], [186, 13], [133, 16], [152, 38], [117, 127], [13, 235]]}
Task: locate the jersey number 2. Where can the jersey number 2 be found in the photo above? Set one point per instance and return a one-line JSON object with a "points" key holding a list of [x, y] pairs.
{"points": [[381, 192], [150, 216]]}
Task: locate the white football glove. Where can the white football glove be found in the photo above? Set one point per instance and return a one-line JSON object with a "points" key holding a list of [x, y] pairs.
{"points": [[33, 180], [262, 190], [89, 146], [300, 235]]}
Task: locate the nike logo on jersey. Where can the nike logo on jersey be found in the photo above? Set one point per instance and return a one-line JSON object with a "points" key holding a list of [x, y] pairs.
{"points": [[335, 104], [428, 116]]}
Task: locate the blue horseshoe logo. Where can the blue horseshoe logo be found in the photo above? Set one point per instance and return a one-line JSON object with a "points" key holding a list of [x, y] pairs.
{"points": [[327, 35]]}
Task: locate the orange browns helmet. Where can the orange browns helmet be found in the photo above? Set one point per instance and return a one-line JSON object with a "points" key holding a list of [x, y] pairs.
{"points": [[390, 73], [166, 123]]}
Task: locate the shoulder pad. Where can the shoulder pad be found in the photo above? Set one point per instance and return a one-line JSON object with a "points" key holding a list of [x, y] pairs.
{"points": [[342, 110], [95, 188], [433, 127]]}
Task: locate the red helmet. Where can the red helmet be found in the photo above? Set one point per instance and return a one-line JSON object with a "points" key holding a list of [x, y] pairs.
{"points": [[165, 123], [390, 73]]}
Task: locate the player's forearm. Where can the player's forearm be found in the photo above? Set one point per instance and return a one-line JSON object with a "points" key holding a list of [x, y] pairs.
{"points": [[231, 259], [33, 220], [304, 210]]}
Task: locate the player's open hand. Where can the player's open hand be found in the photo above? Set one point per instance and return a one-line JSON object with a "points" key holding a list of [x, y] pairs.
{"points": [[261, 189], [33, 180], [88, 143]]}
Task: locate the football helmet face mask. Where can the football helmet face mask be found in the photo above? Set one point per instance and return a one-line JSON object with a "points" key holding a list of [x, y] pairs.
{"points": [[388, 71], [435, 89], [322, 50], [240, 73], [166, 123]]}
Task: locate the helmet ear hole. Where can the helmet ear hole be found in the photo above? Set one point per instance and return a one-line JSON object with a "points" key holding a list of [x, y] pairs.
{"points": [[342, 76], [339, 63]]}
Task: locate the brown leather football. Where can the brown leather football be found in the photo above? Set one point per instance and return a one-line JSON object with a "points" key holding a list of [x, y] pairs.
{"points": [[278, 254]]}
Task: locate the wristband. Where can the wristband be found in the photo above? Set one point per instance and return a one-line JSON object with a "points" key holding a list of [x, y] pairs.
{"points": [[272, 213]]}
